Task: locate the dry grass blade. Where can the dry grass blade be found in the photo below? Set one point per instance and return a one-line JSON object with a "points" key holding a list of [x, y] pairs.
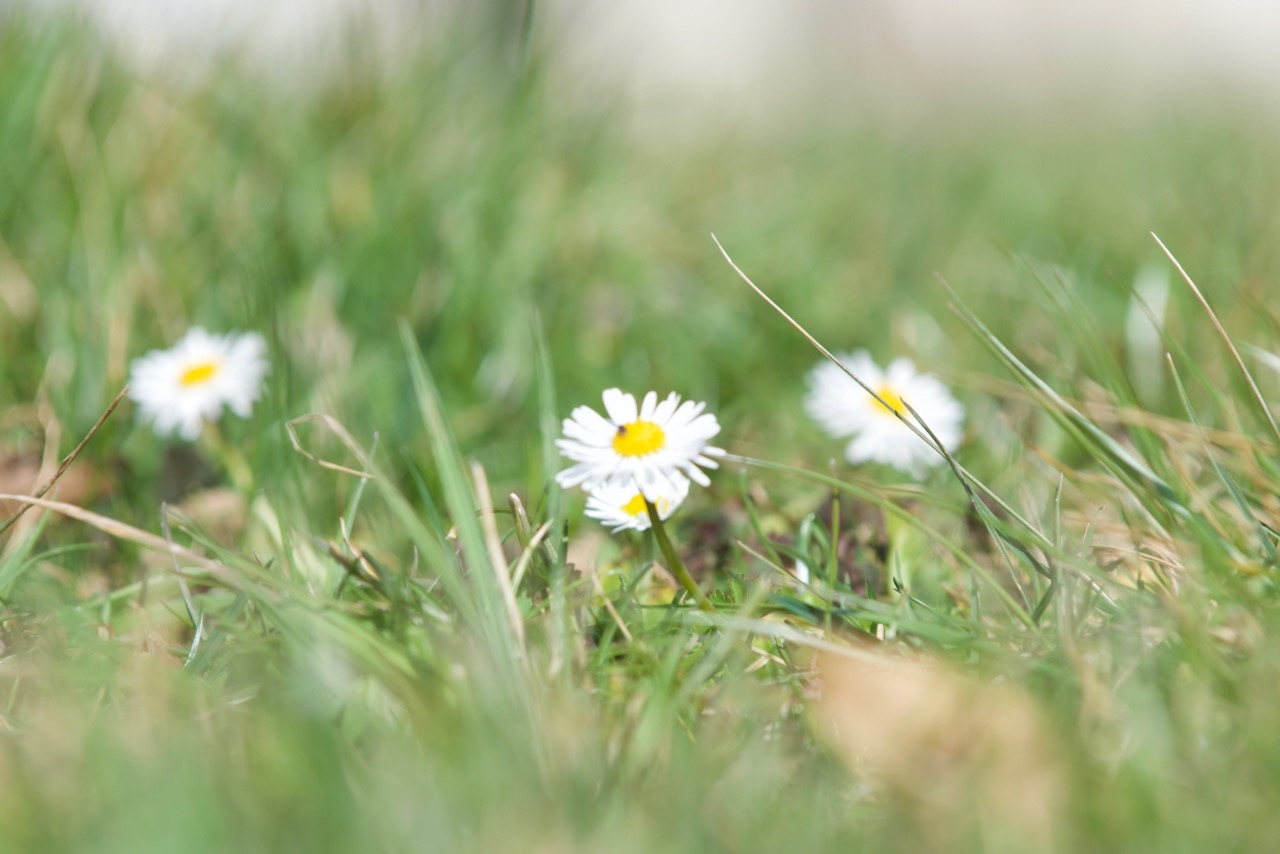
{"points": [[121, 531], [1104, 413], [807, 638], [498, 560], [334, 426], [609, 607], [1222, 333], [522, 564], [68, 459]]}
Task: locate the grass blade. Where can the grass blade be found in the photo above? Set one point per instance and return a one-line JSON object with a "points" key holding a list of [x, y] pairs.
{"points": [[1222, 333]]}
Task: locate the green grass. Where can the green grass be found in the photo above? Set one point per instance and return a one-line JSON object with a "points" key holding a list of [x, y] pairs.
{"points": [[445, 261]]}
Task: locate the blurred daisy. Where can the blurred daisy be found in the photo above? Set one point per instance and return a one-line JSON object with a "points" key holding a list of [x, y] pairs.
{"points": [[178, 389], [843, 409], [645, 449], [622, 507]]}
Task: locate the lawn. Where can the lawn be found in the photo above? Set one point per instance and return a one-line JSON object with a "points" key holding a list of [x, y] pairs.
{"points": [[366, 617]]}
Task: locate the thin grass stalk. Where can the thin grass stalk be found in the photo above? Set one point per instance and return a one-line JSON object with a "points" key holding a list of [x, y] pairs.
{"points": [[1222, 332], [67, 460]]}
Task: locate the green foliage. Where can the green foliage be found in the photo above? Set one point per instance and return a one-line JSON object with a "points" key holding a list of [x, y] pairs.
{"points": [[394, 632]]}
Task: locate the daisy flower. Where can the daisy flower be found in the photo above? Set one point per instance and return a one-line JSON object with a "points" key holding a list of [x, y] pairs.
{"points": [[178, 389], [620, 507], [645, 449], [843, 409]]}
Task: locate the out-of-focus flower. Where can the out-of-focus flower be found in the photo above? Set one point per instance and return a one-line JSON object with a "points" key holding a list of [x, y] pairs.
{"points": [[843, 409], [1143, 326], [646, 450], [178, 389]]}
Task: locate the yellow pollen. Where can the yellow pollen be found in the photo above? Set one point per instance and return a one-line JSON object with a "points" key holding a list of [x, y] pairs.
{"points": [[638, 438], [198, 374], [892, 401], [635, 506]]}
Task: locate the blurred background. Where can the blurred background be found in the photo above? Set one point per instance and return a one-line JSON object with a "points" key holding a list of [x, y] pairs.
{"points": [[761, 61], [329, 168]]}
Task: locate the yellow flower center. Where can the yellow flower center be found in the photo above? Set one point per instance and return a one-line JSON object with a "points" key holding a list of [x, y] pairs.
{"points": [[638, 438], [892, 402], [198, 374], [635, 506]]}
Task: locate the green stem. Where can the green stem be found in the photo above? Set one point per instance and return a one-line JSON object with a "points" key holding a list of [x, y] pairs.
{"points": [[674, 563], [231, 457], [833, 554]]}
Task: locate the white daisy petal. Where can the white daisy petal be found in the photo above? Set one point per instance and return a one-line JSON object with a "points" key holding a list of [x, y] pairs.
{"points": [[648, 449], [688, 413], [622, 507], [666, 409], [574, 475], [584, 429], [179, 389], [901, 372], [646, 408], [621, 407], [863, 366], [835, 401], [698, 476], [845, 410]]}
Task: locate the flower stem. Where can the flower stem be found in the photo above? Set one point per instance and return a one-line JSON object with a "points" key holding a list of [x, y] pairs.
{"points": [[231, 457], [674, 563]]}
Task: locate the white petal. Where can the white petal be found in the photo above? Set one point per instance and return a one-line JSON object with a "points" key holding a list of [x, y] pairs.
{"points": [[646, 408], [697, 475], [662, 414], [620, 406], [591, 431]]}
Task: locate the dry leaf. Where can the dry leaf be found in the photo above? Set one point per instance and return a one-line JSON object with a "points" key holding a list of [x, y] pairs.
{"points": [[951, 747]]}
